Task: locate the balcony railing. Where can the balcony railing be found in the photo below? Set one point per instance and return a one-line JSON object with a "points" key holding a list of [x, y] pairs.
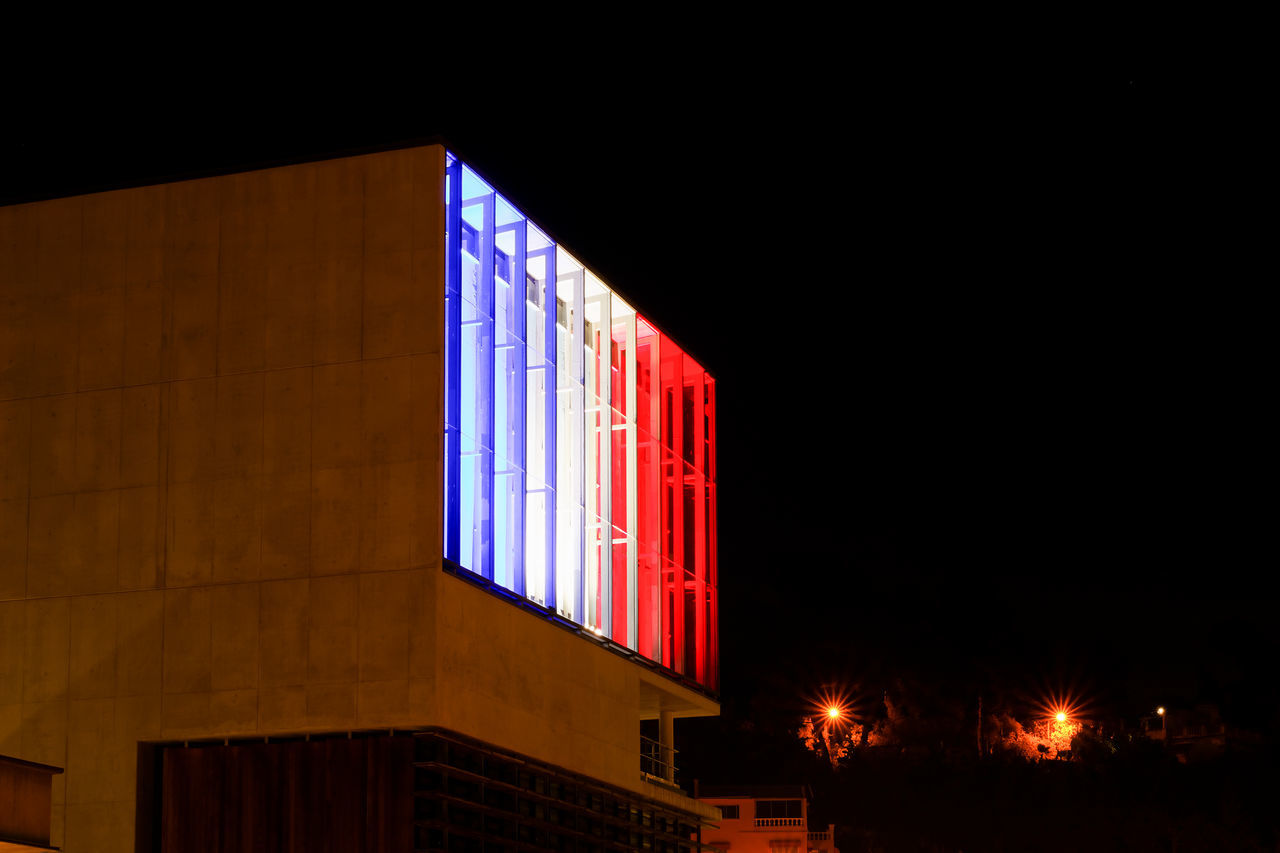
{"points": [[779, 821], [820, 836], [657, 763]]}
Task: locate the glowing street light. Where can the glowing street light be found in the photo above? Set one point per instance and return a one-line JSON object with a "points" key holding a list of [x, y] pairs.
{"points": [[834, 712], [1061, 716]]}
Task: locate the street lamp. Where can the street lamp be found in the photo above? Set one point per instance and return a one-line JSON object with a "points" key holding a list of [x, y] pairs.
{"points": [[1160, 713]]}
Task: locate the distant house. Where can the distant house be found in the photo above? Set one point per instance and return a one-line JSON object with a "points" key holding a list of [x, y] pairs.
{"points": [[1191, 733], [765, 820]]}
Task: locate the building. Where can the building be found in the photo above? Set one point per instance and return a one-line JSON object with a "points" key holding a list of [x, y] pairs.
{"points": [[337, 502], [765, 820]]}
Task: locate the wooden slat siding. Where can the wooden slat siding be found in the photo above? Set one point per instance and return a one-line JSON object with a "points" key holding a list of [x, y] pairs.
{"points": [[332, 795], [25, 801]]}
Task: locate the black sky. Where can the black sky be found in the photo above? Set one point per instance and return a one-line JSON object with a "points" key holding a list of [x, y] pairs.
{"points": [[993, 379]]}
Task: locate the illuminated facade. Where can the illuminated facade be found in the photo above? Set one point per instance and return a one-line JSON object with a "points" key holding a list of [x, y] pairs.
{"points": [[342, 486], [579, 441]]}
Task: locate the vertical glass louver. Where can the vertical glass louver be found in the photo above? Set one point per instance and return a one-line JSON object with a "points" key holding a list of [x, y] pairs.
{"points": [[579, 441]]}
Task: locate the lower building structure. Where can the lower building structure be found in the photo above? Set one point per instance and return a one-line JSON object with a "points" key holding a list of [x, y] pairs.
{"points": [[343, 482], [765, 819]]}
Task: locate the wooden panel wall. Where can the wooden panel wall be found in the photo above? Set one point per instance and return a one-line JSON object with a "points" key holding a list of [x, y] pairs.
{"points": [[335, 795]]}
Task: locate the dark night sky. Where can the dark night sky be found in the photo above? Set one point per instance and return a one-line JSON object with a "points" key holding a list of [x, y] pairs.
{"points": [[992, 382]]}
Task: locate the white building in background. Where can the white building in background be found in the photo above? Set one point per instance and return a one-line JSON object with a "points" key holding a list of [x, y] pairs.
{"points": [[771, 819]]}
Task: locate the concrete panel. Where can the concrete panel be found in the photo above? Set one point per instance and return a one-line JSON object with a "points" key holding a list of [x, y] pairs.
{"points": [[146, 332], [388, 201], [190, 536], [386, 601], [385, 394], [187, 641], [339, 208], [139, 644], [92, 670], [192, 436], [428, 203], [137, 718], [100, 827], [140, 428], [235, 617], [15, 449], [13, 548], [60, 226], [284, 632], [52, 322], [144, 259], [338, 327], [395, 498], [44, 735], [291, 220], [192, 237], [331, 705], [428, 276], [95, 543], [13, 632], [97, 447], [233, 711], [338, 510], [185, 715], [286, 525], [238, 427], [100, 331], [385, 703], [46, 650], [104, 241], [286, 421], [51, 557], [53, 441], [337, 440], [422, 624], [283, 709], [243, 221], [289, 315], [392, 306], [333, 639], [140, 544], [195, 326], [93, 762], [237, 525], [241, 319], [10, 729]]}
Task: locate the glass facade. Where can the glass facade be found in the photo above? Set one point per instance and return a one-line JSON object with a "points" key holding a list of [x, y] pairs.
{"points": [[579, 441]]}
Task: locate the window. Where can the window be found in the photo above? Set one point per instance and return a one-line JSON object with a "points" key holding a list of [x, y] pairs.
{"points": [[729, 812], [778, 809], [579, 469]]}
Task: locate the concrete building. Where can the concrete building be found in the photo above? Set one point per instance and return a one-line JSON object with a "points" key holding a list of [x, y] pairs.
{"points": [[305, 486], [765, 820]]}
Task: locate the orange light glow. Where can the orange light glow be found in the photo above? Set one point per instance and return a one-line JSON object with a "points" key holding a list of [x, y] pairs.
{"points": [[834, 712], [1160, 710], [1061, 717]]}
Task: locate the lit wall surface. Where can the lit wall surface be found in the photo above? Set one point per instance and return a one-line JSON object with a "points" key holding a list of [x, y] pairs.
{"points": [[579, 441]]}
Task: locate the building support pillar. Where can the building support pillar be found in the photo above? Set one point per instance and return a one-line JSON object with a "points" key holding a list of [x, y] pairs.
{"points": [[666, 742]]}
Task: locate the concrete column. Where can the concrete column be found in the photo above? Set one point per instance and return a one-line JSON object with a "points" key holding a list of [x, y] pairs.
{"points": [[667, 740]]}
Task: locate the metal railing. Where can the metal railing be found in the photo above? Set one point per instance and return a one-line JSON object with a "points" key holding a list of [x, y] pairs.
{"points": [[654, 761], [780, 821]]}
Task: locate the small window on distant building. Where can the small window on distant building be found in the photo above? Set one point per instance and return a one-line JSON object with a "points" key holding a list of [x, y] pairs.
{"points": [[729, 812], [778, 808]]}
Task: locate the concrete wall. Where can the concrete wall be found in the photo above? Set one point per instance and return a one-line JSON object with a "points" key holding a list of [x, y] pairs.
{"points": [[220, 445], [219, 452]]}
